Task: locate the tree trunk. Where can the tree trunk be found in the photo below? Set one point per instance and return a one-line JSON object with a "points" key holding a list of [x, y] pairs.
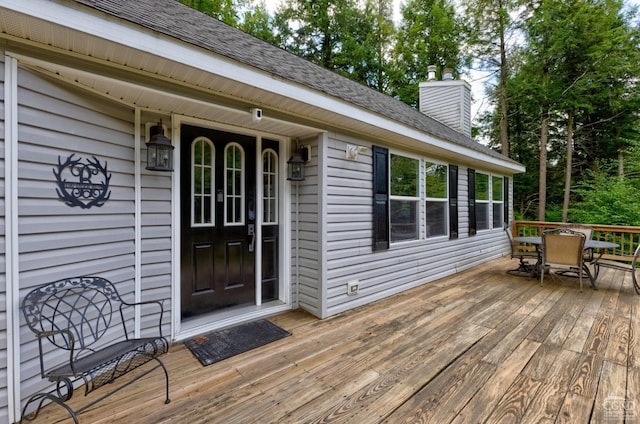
{"points": [[504, 126], [620, 157], [542, 187], [567, 173]]}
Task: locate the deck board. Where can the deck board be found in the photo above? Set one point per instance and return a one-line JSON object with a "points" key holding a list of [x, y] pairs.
{"points": [[479, 346]]}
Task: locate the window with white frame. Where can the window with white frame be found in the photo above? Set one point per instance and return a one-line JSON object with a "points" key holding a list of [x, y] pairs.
{"points": [[404, 198], [269, 187], [497, 193], [436, 196], [482, 201]]}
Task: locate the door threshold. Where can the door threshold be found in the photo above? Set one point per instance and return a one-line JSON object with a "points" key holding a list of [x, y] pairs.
{"points": [[192, 327]]}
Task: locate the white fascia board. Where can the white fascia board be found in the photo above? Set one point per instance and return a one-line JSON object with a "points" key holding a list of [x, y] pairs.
{"points": [[138, 38]]}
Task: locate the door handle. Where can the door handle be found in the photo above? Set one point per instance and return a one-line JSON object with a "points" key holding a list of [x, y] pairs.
{"points": [[251, 232]]}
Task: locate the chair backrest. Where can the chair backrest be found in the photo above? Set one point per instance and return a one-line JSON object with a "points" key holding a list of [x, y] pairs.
{"points": [[587, 230], [78, 311], [511, 243], [636, 257], [563, 246]]}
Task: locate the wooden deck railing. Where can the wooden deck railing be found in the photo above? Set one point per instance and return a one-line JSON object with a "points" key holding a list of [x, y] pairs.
{"points": [[626, 237]]}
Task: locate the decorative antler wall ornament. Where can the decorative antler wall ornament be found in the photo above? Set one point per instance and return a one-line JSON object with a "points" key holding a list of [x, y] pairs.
{"points": [[82, 184]]}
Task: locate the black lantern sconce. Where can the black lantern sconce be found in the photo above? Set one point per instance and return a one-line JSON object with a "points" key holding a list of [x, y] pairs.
{"points": [[159, 150], [295, 164]]}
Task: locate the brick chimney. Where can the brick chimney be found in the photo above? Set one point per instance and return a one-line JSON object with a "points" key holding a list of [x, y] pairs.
{"points": [[448, 100]]}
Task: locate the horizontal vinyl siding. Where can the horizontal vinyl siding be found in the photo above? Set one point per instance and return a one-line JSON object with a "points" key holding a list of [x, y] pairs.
{"points": [[349, 254], [4, 411], [56, 240], [155, 245], [305, 245]]}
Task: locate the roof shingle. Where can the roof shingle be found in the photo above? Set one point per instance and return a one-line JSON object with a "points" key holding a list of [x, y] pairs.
{"points": [[176, 20]]}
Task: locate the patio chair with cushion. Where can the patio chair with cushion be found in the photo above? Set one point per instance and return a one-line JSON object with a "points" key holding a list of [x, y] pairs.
{"points": [[587, 230], [522, 252], [563, 248], [631, 267]]}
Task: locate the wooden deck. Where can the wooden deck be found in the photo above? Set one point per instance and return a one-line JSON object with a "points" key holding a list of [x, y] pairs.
{"points": [[480, 346]]}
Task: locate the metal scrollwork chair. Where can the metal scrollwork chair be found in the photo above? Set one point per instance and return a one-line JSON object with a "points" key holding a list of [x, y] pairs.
{"points": [[563, 248], [87, 318]]}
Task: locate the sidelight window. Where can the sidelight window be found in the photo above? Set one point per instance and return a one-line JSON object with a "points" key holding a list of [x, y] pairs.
{"points": [[270, 187], [234, 184]]}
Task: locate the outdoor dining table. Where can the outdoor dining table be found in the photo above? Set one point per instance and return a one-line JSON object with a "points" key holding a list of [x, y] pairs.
{"points": [[588, 245]]}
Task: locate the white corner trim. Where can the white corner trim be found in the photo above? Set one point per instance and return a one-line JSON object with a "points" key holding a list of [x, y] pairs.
{"points": [[12, 271]]}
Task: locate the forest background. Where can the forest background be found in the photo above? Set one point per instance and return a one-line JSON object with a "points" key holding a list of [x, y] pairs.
{"points": [[562, 81]]}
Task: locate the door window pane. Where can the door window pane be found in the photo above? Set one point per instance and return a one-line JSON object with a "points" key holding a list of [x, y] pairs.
{"points": [[202, 155], [269, 187], [234, 184]]}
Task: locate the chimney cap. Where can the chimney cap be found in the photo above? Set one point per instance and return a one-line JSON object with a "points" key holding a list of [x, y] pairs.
{"points": [[447, 74], [431, 72]]}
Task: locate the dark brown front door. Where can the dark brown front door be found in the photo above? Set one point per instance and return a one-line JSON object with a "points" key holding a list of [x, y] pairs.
{"points": [[217, 219]]}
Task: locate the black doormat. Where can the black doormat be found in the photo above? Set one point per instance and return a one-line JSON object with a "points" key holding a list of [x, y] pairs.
{"points": [[218, 345]]}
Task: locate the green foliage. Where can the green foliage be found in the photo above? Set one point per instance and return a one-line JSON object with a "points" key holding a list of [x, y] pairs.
{"points": [[429, 34], [224, 10], [549, 58], [613, 201]]}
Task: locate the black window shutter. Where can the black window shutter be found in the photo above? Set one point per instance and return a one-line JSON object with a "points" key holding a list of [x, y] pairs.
{"points": [[471, 184], [505, 200], [380, 198], [453, 201]]}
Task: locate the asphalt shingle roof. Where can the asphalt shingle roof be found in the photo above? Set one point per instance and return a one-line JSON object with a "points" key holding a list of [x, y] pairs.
{"points": [[176, 20]]}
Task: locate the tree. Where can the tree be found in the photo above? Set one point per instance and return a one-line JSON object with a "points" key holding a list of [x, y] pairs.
{"points": [[489, 26], [429, 34], [224, 10], [315, 29], [340, 35], [255, 20]]}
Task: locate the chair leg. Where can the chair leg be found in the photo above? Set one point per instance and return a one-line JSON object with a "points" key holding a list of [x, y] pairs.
{"points": [[580, 278]]}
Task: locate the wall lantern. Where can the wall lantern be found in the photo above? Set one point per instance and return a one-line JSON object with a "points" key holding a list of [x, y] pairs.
{"points": [[295, 169], [159, 150]]}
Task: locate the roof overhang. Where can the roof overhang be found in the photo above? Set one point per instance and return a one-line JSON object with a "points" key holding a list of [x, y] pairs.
{"points": [[146, 69]]}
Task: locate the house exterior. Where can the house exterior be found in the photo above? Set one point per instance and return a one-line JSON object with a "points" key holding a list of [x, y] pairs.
{"points": [[391, 199]]}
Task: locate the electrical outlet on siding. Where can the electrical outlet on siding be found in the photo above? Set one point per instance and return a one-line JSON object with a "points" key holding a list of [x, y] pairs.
{"points": [[352, 287]]}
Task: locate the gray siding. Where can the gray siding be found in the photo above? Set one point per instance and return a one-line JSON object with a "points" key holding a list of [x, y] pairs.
{"points": [[348, 230], [449, 102], [156, 255], [306, 262], [4, 412], [56, 240]]}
